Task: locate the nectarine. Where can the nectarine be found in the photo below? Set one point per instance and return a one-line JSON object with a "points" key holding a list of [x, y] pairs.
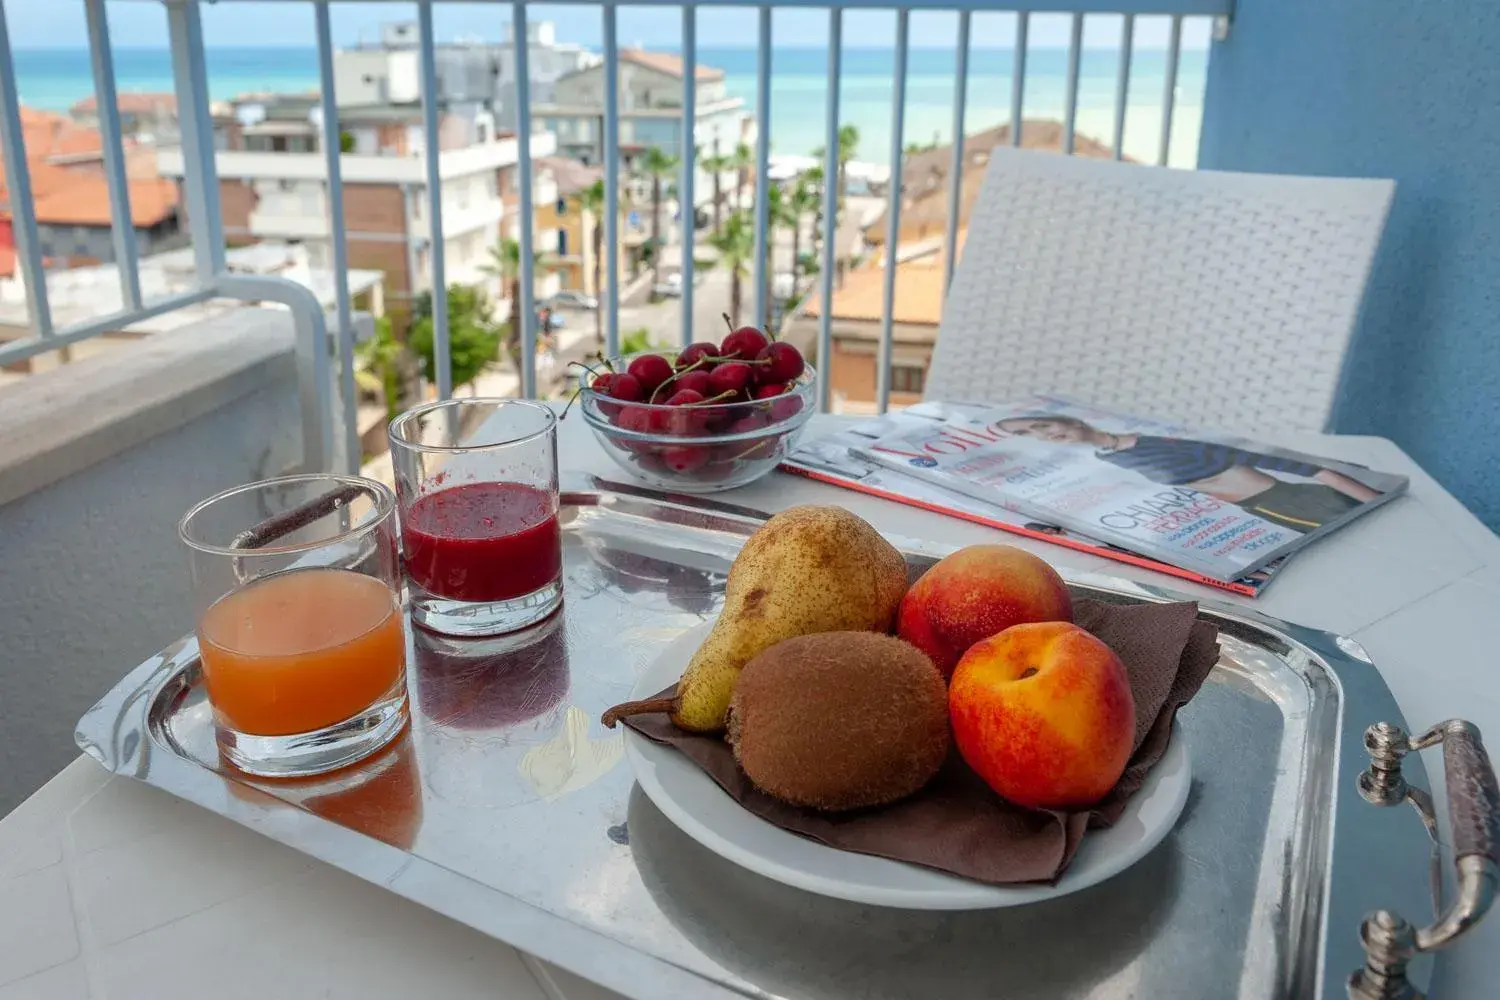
{"points": [[1044, 714], [975, 593]]}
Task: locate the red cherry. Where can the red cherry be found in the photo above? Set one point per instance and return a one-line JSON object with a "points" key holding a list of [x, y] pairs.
{"points": [[730, 377], [749, 422], [785, 406], [620, 385], [685, 397], [685, 458], [693, 353], [769, 391], [745, 343], [650, 370], [783, 362], [698, 381]]}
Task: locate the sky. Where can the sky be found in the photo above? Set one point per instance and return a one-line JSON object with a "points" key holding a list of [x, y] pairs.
{"points": [[60, 24]]}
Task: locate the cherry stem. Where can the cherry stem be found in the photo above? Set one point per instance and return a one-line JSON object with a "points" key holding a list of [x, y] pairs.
{"points": [[727, 393], [571, 400], [728, 322], [649, 706], [675, 376]]}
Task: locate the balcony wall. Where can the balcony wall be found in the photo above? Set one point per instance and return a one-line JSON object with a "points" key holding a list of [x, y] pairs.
{"points": [[98, 461], [1391, 88]]}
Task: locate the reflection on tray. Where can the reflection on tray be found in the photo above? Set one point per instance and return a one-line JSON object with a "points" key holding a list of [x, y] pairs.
{"points": [[381, 798]]}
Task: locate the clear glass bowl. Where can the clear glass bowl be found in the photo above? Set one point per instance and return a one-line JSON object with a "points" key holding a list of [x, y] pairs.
{"points": [[699, 449]]}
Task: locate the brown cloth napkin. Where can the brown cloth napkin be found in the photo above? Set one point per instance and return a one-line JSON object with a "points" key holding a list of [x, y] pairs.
{"points": [[957, 824]]}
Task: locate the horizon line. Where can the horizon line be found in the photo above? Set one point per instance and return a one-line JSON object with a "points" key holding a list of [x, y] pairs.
{"points": [[648, 47]]}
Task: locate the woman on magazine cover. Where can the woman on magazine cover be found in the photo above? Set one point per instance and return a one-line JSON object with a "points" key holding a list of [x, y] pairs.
{"points": [[1224, 472]]}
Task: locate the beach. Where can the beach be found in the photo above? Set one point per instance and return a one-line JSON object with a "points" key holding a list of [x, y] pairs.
{"points": [[54, 79]]}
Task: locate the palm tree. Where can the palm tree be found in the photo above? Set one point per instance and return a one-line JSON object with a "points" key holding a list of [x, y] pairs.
{"points": [[590, 202], [740, 161], [804, 199], [714, 166], [848, 147], [657, 165], [505, 263], [735, 242], [778, 213]]}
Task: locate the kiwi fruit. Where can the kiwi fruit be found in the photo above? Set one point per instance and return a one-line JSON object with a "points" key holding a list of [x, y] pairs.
{"points": [[840, 720]]}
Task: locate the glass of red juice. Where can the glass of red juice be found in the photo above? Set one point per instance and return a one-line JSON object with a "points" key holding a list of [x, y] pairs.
{"points": [[476, 484]]}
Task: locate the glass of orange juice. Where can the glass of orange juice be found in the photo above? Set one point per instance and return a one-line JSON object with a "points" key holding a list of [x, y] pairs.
{"points": [[297, 586]]}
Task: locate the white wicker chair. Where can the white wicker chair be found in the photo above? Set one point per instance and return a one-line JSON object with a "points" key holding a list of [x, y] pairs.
{"points": [[1219, 299]]}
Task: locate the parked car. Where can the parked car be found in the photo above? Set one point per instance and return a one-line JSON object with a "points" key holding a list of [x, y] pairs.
{"points": [[669, 288], [570, 298]]}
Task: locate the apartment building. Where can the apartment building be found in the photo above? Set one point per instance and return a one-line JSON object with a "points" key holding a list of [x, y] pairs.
{"points": [[475, 72], [272, 186], [650, 114], [71, 196]]}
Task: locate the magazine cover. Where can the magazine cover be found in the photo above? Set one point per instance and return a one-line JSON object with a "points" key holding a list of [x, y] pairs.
{"points": [[1220, 506], [832, 459]]}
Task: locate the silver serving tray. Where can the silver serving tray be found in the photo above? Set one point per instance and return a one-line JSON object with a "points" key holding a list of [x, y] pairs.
{"points": [[508, 807]]}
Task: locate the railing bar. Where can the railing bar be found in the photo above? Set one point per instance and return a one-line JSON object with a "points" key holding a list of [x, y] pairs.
{"points": [[22, 207], [1122, 84], [441, 349], [1070, 111], [687, 208], [1169, 91], [893, 213], [195, 121], [956, 171], [338, 238], [525, 309], [764, 271], [609, 149], [20, 350], [113, 148], [1018, 76], [831, 194]]}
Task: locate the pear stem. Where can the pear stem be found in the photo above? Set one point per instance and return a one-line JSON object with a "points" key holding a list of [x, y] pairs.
{"points": [[647, 707]]}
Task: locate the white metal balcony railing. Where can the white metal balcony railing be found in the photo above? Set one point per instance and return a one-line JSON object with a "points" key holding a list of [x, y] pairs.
{"points": [[201, 193]]}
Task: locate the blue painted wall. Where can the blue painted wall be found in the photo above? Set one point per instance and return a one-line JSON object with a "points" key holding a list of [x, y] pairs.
{"points": [[1408, 89]]}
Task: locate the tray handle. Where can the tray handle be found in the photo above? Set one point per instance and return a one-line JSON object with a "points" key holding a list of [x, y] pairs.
{"points": [[1391, 942]]}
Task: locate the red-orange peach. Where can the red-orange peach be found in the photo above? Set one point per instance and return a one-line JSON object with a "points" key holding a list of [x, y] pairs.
{"points": [[1044, 714], [975, 593]]}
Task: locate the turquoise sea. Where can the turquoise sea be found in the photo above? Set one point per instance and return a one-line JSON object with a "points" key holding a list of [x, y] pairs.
{"points": [[55, 78]]}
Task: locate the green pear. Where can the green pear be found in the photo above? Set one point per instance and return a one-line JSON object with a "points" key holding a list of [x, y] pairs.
{"points": [[807, 570]]}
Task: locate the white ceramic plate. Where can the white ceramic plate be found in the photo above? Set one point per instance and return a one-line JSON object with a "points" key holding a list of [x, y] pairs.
{"points": [[703, 811]]}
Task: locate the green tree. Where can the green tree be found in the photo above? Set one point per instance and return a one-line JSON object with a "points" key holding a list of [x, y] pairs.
{"points": [[388, 362], [637, 341], [715, 166], [735, 243], [804, 199], [740, 162], [779, 212], [848, 148], [473, 336], [505, 263], [658, 166], [590, 202]]}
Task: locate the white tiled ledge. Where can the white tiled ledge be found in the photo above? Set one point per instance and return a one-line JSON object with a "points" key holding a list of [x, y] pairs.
{"points": [[59, 422]]}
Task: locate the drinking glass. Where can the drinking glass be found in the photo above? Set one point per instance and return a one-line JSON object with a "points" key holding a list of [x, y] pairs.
{"points": [[297, 588], [477, 483]]}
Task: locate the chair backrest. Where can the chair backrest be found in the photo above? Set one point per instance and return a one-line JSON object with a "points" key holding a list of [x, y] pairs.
{"points": [[1220, 299]]}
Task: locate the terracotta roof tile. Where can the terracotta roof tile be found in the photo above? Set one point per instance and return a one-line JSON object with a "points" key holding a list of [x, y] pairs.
{"points": [[85, 202], [136, 103], [665, 62], [919, 291]]}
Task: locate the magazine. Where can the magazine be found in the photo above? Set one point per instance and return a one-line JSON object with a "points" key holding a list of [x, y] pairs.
{"points": [[833, 459], [1219, 506]]}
